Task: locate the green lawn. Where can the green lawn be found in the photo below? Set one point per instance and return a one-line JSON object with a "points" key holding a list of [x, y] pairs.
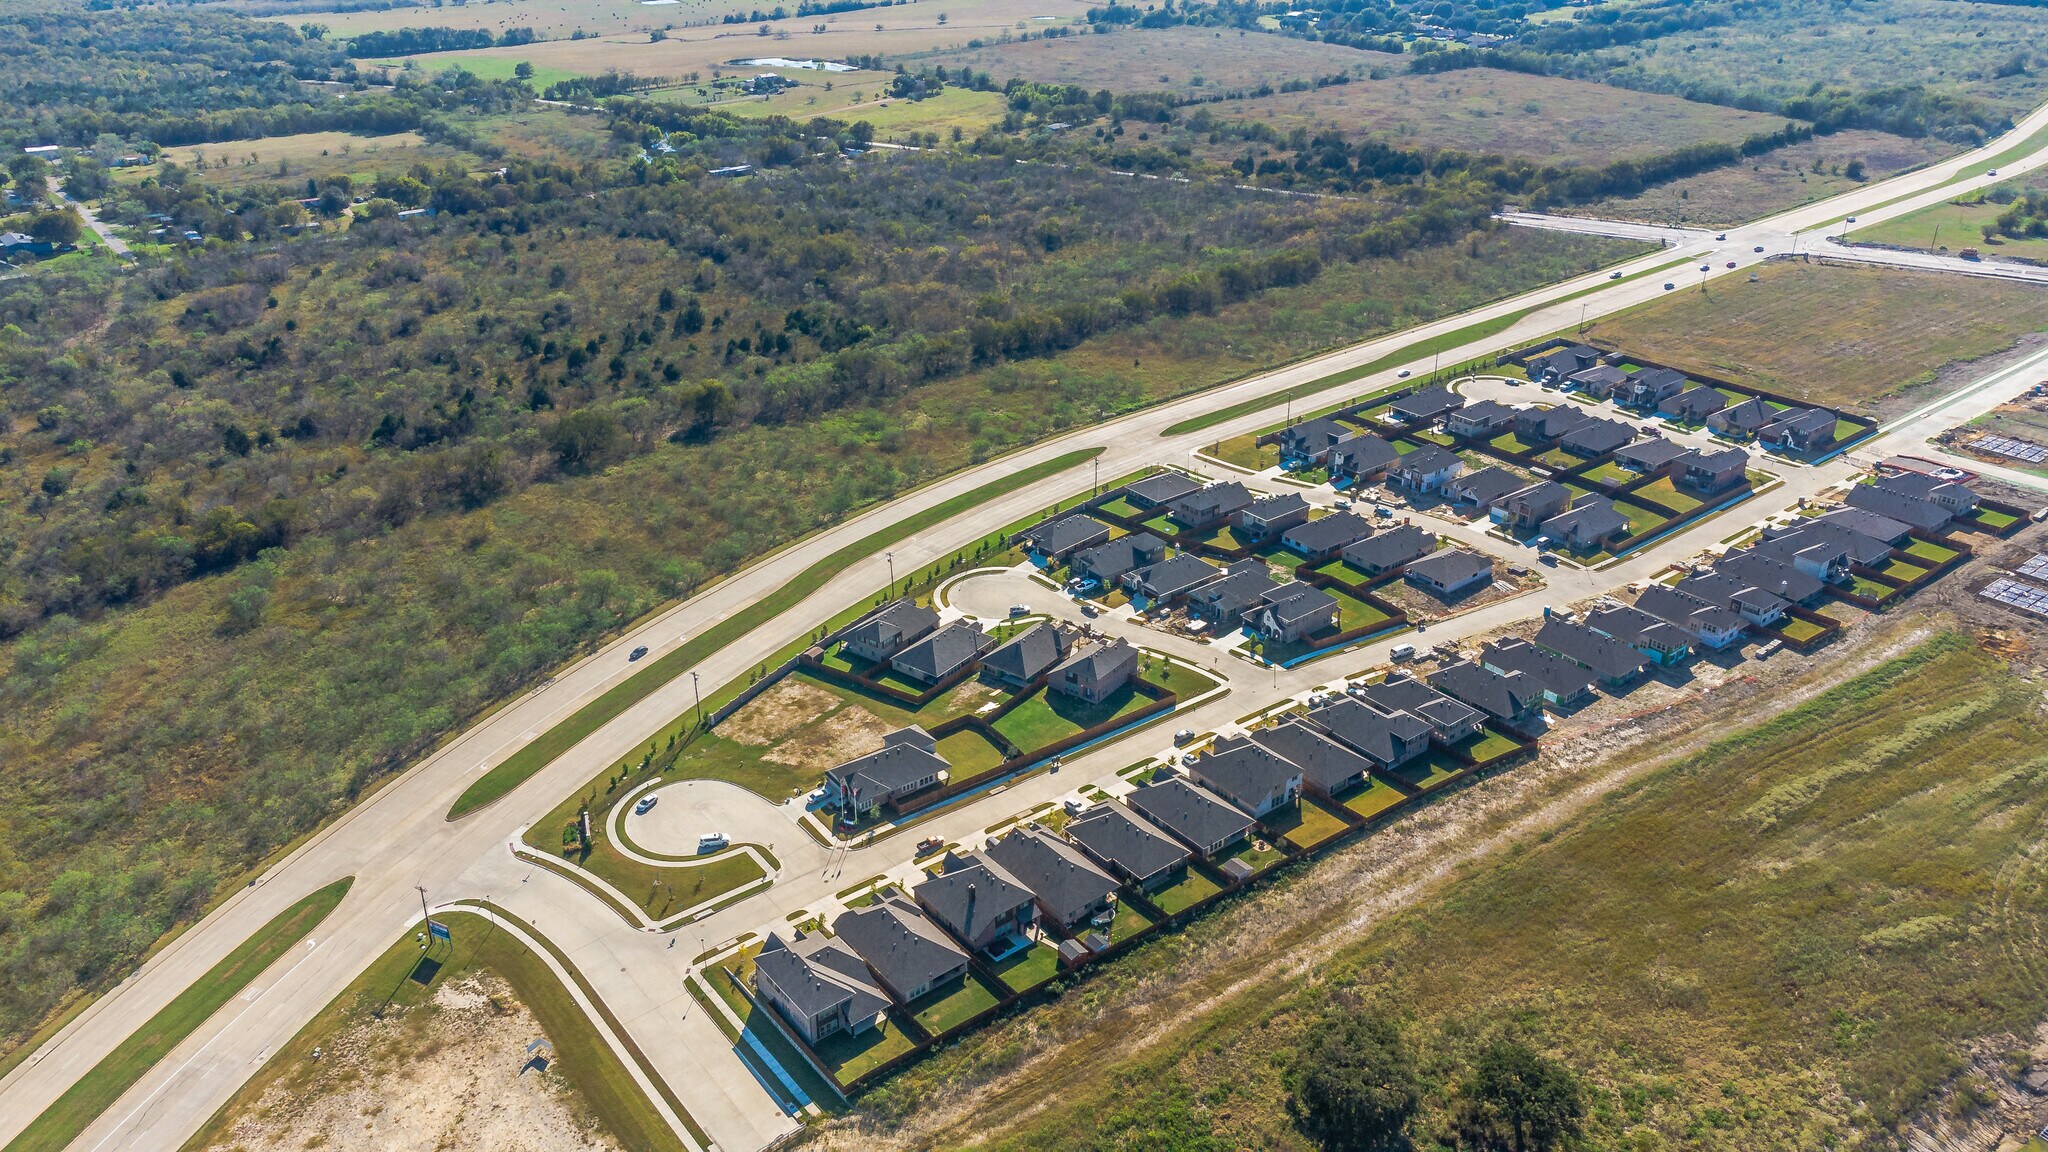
{"points": [[97, 1090], [1871, 588], [542, 751], [1250, 852], [1931, 552], [1186, 683], [1127, 923], [1355, 613], [1047, 717], [1610, 473], [942, 1011], [1667, 494], [1374, 798], [969, 752], [1224, 537], [1995, 521], [1486, 745], [1509, 442], [1800, 630], [1640, 519], [1342, 570], [1245, 452], [849, 1057], [1029, 968], [661, 892], [1429, 770], [1311, 824], [1901, 571], [1559, 458], [1122, 506], [1190, 890], [1163, 525]]}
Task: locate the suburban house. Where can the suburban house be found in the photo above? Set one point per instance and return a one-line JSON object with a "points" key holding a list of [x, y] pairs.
{"points": [[1029, 654], [1484, 488], [908, 954], [1651, 456], [1693, 405], [1559, 363], [1449, 720], [1327, 767], [1170, 580], [1864, 522], [1210, 505], [1707, 622], [1611, 662], [1650, 387], [1957, 498], [1224, 601], [1741, 420], [1543, 425], [1528, 506], [1602, 380], [1268, 516], [1310, 441], [1562, 683], [1293, 611], [1824, 558], [908, 761], [1387, 738], [1480, 421], [1095, 671], [1247, 774], [1664, 644], [1160, 489], [1128, 845], [1192, 814], [1105, 564], [1921, 515], [1754, 605], [1362, 460], [1779, 579], [979, 902], [889, 630], [1389, 550], [1799, 430], [1055, 540], [819, 984], [1071, 889], [1859, 549], [1427, 469], [1592, 524], [1511, 699], [1713, 471], [1596, 437], [1451, 571], [1426, 404], [1324, 538], [939, 655]]}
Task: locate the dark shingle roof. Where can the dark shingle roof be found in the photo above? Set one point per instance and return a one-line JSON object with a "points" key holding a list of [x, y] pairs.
{"points": [[1313, 435], [1650, 453], [1449, 567], [1226, 496], [1188, 810], [1327, 763], [1806, 421], [1860, 548], [902, 616], [1029, 652], [1684, 609], [1632, 625], [1407, 694], [1111, 560], [1328, 533], [1429, 460], [1695, 403], [1594, 518], [1867, 523], [1502, 697], [818, 973], [1275, 507], [1067, 533], [896, 765], [1770, 575], [899, 942], [946, 650], [1925, 515], [1242, 772], [1718, 460], [1927, 488], [1490, 412], [1551, 423], [1747, 416], [1730, 592], [995, 893], [1597, 436], [1295, 600], [1391, 548], [1364, 454], [1554, 674], [1382, 736], [1426, 403], [1163, 488], [1064, 880], [1097, 659], [1487, 485], [1606, 657], [1176, 574], [1114, 834]]}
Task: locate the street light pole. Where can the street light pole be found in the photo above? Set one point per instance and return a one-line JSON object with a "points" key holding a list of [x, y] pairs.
{"points": [[891, 558], [699, 693]]}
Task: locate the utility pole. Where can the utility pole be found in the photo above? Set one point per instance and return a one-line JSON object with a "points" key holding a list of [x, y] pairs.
{"points": [[1098, 475], [891, 558], [1582, 314], [699, 693], [1934, 244], [1434, 364]]}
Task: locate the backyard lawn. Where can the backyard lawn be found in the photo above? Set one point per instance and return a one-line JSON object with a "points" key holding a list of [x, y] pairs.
{"points": [[1640, 519], [1047, 717], [1376, 797], [849, 1057], [1191, 890], [1509, 442], [1610, 473], [1185, 683], [1486, 745], [1122, 506], [1355, 613], [1871, 588], [1667, 494], [1029, 968], [1259, 858], [1901, 571], [1127, 923], [1342, 570], [941, 1011], [1429, 770], [1799, 630], [969, 752], [1931, 552], [1311, 824], [1995, 521]]}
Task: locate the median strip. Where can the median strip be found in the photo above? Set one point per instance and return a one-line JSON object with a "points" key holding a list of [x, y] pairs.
{"points": [[544, 749]]}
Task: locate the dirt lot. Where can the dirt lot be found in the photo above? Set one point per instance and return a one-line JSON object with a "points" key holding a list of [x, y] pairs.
{"points": [[778, 712], [1773, 182], [1849, 337], [455, 1080]]}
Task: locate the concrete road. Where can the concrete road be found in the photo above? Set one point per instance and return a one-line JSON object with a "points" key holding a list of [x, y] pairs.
{"points": [[398, 838]]}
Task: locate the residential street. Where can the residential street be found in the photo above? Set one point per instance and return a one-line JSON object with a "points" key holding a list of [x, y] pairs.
{"points": [[399, 837]]}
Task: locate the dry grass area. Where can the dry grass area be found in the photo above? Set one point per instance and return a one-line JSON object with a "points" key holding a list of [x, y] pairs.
{"points": [[1780, 179], [456, 1078], [1487, 110], [852, 731], [1850, 337], [778, 712], [1189, 61], [897, 30], [293, 159], [549, 19], [1187, 997]]}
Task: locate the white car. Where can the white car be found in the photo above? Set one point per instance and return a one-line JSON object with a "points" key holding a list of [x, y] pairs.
{"points": [[646, 803], [1402, 652], [712, 841], [1020, 610]]}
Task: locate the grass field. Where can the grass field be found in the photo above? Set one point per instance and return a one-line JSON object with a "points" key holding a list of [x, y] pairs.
{"points": [[1839, 336], [1488, 110], [294, 159], [961, 108], [1826, 908], [1957, 224], [1773, 182], [1376, 797], [98, 1089], [549, 19], [1184, 60], [1048, 717], [513, 770]]}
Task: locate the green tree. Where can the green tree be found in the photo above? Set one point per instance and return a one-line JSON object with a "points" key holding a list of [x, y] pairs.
{"points": [[1354, 1084], [57, 227], [585, 440], [1519, 1100]]}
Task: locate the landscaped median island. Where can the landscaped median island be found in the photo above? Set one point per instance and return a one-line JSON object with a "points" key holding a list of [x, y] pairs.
{"points": [[480, 1016], [542, 750], [98, 1089]]}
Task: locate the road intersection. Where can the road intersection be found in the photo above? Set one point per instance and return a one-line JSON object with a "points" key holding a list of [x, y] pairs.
{"points": [[398, 837]]}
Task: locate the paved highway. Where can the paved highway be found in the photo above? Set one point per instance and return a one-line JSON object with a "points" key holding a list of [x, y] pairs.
{"points": [[397, 838]]}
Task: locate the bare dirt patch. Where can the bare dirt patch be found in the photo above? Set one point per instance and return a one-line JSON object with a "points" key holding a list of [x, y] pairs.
{"points": [[852, 731], [778, 712], [454, 1078]]}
